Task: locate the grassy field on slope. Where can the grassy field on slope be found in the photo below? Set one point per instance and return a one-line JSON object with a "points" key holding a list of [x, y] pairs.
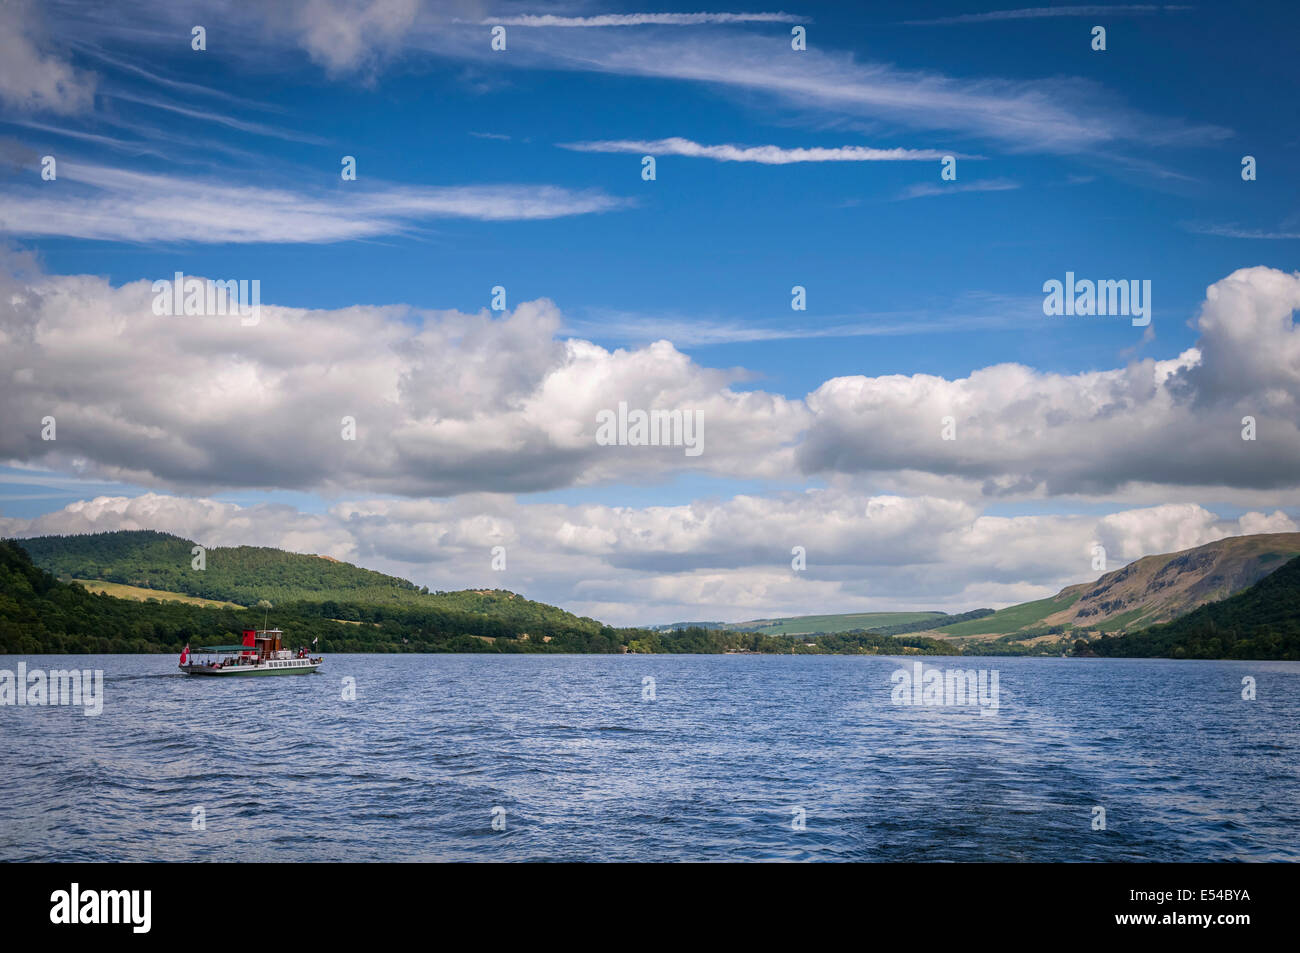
{"points": [[141, 595], [808, 624], [1008, 620]]}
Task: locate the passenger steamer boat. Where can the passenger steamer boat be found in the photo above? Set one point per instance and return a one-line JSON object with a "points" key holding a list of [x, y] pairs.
{"points": [[262, 653]]}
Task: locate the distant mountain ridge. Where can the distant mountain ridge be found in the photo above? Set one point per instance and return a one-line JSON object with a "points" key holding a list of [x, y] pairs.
{"points": [[1156, 589], [824, 624], [1260, 622], [1147, 591]]}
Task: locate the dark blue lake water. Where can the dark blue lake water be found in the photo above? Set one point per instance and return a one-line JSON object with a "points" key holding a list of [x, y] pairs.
{"points": [[714, 767]]}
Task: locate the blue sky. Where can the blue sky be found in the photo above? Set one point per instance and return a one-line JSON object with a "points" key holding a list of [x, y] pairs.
{"points": [[1117, 164]]}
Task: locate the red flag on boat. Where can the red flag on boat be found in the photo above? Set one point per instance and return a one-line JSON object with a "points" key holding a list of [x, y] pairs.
{"points": [[185, 654]]}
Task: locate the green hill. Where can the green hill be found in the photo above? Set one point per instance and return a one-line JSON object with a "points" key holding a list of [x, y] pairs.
{"points": [[242, 574], [1009, 620], [145, 559], [1261, 622], [304, 585], [39, 613]]}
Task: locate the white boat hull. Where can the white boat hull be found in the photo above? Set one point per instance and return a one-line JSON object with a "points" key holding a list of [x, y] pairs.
{"points": [[300, 666]]}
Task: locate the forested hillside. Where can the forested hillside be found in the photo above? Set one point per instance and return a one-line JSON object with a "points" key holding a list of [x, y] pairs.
{"points": [[242, 574], [40, 614], [1262, 622], [249, 574]]}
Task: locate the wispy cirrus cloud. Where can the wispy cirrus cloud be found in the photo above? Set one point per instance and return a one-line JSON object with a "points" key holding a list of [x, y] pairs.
{"points": [[641, 19], [1234, 231], [1037, 13], [927, 189], [1059, 115], [231, 122], [112, 204], [764, 155], [177, 86], [135, 147], [971, 311]]}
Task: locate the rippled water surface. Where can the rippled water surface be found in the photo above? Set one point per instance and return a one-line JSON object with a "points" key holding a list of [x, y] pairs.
{"points": [[712, 768]]}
